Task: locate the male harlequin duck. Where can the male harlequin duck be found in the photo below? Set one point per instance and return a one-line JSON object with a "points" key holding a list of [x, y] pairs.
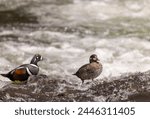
{"points": [[23, 72], [91, 70]]}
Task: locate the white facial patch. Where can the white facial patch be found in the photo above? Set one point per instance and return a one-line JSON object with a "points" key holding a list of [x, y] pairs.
{"points": [[41, 58]]}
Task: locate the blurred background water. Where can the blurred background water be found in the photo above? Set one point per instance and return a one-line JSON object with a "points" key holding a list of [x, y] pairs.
{"points": [[67, 32]]}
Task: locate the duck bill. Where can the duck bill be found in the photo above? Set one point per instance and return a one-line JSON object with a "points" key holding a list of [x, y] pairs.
{"points": [[98, 60]]}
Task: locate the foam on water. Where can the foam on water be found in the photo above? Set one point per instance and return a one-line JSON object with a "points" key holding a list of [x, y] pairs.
{"points": [[117, 55]]}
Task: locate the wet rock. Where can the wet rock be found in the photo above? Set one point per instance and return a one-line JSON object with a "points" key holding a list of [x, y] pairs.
{"points": [[128, 87]]}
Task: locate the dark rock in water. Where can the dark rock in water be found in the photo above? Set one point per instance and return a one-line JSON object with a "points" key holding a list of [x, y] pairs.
{"points": [[18, 15], [128, 87]]}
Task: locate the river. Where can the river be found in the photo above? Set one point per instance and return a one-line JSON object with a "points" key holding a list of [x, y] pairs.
{"points": [[67, 32]]}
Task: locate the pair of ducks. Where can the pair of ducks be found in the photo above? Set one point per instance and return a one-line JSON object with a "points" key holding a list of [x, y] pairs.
{"points": [[86, 72]]}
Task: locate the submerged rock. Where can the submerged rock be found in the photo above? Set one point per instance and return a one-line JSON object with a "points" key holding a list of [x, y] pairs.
{"points": [[128, 87], [17, 15]]}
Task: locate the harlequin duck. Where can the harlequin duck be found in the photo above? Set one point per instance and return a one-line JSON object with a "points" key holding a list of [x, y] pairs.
{"points": [[23, 72], [91, 70]]}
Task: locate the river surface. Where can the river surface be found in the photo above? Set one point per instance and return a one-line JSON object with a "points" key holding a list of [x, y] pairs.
{"points": [[67, 32]]}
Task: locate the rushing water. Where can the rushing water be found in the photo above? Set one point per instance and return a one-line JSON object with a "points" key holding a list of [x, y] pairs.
{"points": [[67, 32]]}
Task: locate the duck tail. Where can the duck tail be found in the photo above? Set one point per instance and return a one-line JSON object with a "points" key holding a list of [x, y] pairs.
{"points": [[4, 75]]}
